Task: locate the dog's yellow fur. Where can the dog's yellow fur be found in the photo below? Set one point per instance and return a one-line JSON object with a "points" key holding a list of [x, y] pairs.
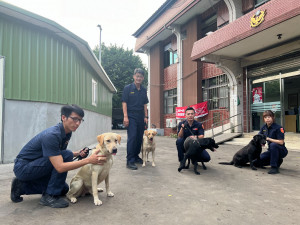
{"points": [[89, 176], [148, 146]]}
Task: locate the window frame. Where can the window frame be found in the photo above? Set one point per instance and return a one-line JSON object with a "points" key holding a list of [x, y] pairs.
{"points": [[215, 91], [170, 96], [94, 92]]}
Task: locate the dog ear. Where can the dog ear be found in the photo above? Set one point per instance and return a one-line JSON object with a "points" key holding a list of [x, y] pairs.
{"points": [[255, 137], [146, 132], [119, 138], [100, 139], [154, 133]]}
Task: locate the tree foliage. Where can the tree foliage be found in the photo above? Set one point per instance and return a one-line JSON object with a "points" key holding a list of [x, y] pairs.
{"points": [[119, 64]]}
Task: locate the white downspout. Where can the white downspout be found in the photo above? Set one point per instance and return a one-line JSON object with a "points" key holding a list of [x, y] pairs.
{"points": [[147, 52], [176, 31]]}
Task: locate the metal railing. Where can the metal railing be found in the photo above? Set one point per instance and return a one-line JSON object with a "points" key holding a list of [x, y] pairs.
{"points": [[219, 126]]}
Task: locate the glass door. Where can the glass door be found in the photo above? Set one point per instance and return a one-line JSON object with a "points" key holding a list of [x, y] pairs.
{"points": [[265, 94]]}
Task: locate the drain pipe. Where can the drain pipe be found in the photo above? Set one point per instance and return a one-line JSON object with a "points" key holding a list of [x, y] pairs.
{"points": [[176, 31]]}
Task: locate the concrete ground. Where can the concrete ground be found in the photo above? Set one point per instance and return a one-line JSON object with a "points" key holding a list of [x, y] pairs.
{"points": [[161, 195]]}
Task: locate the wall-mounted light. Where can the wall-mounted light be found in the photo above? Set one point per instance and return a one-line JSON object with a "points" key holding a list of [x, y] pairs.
{"points": [[279, 36]]}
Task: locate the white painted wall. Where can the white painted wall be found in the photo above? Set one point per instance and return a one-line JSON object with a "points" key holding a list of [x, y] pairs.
{"points": [[23, 120]]}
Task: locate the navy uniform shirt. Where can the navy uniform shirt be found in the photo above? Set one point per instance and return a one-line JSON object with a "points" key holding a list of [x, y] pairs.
{"points": [[49, 142], [196, 129], [134, 98], [275, 131]]}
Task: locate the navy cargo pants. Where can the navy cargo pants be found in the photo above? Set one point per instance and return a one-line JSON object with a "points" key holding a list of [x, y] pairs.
{"points": [[135, 132], [274, 155], [39, 176]]}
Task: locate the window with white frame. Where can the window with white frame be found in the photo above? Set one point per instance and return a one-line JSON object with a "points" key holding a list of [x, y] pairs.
{"points": [[215, 90], [170, 101], [94, 92], [170, 55]]}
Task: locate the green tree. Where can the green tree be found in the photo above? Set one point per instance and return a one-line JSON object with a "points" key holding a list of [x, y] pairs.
{"points": [[119, 64]]}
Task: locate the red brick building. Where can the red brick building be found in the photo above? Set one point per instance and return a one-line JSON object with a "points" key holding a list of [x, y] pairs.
{"points": [[242, 56]]}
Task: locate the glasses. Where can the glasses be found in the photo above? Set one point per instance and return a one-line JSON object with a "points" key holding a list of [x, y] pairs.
{"points": [[75, 119]]}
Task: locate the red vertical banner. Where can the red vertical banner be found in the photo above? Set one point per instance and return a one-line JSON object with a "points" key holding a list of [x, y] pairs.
{"points": [[257, 95]]}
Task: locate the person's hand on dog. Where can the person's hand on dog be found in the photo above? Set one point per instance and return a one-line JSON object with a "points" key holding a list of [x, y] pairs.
{"points": [[97, 159]]}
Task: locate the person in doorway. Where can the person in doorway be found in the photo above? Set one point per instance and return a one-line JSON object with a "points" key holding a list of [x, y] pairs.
{"points": [[41, 166], [134, 104], [275, 138], [190, 127]]}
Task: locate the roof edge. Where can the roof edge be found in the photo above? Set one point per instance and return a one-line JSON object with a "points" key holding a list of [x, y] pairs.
{"points": [[157, 13]]}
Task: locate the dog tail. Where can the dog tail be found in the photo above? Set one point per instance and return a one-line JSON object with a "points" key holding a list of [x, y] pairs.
{"points": [[226, 163]]}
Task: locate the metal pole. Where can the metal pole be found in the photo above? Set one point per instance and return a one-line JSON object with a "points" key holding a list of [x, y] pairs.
{"points": [[100, 43]]}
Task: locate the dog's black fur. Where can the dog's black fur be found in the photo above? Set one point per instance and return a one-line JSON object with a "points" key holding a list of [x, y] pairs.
{"points": [[248, 153], [192, 148]]}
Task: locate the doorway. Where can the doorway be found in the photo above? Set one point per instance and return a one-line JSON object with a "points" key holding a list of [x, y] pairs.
{"points": [[291, 103]]}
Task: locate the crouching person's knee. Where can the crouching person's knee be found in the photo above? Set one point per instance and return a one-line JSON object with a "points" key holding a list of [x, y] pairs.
{"points": [[67, 155]]}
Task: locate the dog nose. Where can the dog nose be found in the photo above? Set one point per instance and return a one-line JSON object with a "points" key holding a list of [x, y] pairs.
{"points": [[115, 150]]}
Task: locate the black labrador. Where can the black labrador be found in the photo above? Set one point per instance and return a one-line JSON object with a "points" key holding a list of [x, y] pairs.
{"points": [[193, 148], [248, 153]]}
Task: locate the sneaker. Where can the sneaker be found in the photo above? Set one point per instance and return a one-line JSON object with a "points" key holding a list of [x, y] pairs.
{"points": [[53, 201], [139, 161], [16, 189], [131, 166], [273, 170]]}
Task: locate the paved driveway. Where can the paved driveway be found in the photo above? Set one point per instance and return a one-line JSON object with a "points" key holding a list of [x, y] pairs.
{"points": [[220, 195]]}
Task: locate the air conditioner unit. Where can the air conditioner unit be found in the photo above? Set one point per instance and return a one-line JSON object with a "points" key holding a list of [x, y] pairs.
{"points": [[173, 123], [167, 123]]}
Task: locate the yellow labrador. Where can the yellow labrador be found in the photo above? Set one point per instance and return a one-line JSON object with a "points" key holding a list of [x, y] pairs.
{"points": [[89, 176], [148, 146]]}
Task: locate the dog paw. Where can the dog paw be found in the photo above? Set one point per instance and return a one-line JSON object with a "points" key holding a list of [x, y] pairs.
{"points": [[143, 165], [153, 164], [97, 202], [110, 194], [100, 189], [253, 168], [73, 199], [196, 172], [179, 169]]}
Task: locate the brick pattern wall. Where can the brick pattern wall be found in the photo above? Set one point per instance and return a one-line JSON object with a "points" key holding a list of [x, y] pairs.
{"points": [[170, 77], [246, 119], [209, 70], [224, 113], [168, 131]]}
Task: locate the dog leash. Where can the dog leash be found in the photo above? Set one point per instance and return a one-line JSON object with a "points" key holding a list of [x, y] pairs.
{"points": [[79, 157]]}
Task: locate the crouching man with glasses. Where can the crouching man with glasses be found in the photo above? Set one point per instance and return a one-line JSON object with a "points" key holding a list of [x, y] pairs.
{"points": [[41, 166]]}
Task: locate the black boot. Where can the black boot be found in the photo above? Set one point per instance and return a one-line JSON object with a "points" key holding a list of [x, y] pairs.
{"points": [[16, 190], [273, 170]]}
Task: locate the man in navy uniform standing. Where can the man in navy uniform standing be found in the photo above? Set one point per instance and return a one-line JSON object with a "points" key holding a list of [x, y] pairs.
{"points": [[134, 103]]}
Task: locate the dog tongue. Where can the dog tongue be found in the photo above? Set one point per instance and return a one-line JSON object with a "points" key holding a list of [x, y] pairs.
{"points": [[114, 153]]}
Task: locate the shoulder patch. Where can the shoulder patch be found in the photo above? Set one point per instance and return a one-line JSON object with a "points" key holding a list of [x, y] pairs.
{"points": [[282, 130]]}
